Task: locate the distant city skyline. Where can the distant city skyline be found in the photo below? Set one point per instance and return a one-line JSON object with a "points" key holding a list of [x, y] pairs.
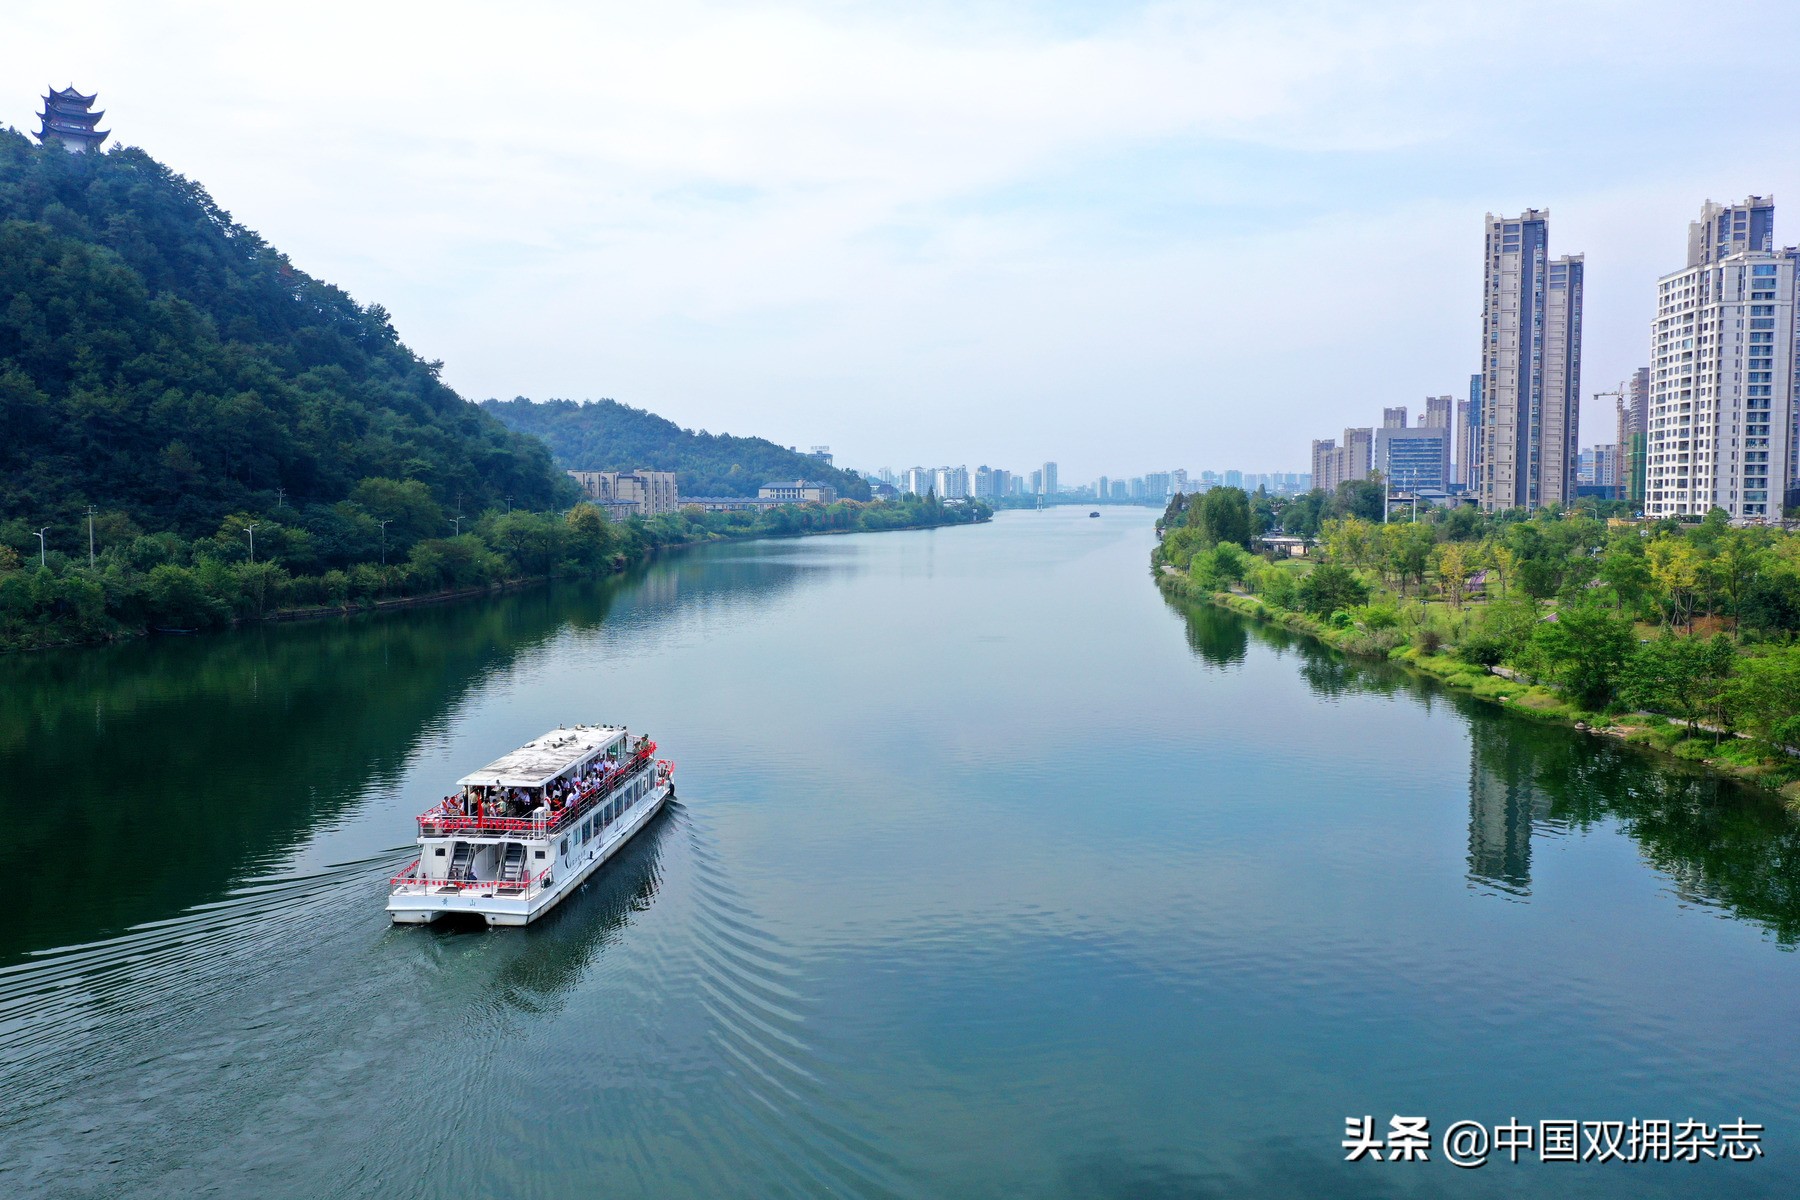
{"points": [[989, 482], [1072, 241]]}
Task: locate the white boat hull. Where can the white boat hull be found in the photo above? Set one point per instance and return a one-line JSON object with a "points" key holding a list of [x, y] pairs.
{"points": [[422, 904]]}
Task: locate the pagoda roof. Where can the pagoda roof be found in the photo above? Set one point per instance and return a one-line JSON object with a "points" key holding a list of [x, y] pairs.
{"points": [[73, 118], [91, 137], [68, 93]]}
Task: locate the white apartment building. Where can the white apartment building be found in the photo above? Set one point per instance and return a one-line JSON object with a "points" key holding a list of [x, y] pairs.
{"points": [[1722, 375], [952, 483]]}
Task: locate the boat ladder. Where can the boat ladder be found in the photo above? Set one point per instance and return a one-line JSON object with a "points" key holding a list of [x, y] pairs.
{"points": [[513, 868]]}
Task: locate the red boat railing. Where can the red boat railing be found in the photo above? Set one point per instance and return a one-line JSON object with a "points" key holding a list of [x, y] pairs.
{"points": [[447, 819]]}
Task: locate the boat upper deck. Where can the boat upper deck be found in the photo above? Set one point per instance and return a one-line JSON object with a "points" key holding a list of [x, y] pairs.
{"points": [[541, 760], [595, 785]]}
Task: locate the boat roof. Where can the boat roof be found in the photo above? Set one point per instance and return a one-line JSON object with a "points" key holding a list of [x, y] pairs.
{"points": [[542, 759]]}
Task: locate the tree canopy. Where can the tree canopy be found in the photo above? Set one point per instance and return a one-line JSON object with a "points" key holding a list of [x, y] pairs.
{"points": [[164, 363]]}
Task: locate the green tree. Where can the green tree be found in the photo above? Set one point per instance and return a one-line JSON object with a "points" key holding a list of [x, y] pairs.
{"points": [[1223, 515], [1736, 562], [1763, 697], [1771, 604], [1223, 565], [1408, 549], [177, 600], [1675, 567], [1302, 515], [1277, 584], [1583, 648], [408, 507], [1626, 570], [1364, 498], [1503, 632], [1454, 562], [1681, 676], [1330, 588]]}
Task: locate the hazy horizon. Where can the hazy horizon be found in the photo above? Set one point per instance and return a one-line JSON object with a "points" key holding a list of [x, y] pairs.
{"points": [[1121, 237]]}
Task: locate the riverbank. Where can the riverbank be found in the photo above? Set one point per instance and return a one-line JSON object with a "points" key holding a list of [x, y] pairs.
{"points": [[1725, 754], [212, 596]]}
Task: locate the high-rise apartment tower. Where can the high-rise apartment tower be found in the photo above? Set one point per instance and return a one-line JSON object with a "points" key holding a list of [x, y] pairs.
{"points": [[1530, 409], [1722, 405]]}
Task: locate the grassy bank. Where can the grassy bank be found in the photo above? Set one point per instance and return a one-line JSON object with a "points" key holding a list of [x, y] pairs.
{"points": [[1701, 742]]}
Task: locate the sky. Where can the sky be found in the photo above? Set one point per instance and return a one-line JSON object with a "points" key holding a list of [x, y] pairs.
{"points": [[1125, 237]]}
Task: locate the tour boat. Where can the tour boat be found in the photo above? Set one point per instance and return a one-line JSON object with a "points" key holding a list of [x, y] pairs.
{"points": [[525, 830]]}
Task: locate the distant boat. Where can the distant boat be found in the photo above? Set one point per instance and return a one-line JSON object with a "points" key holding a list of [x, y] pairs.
{"points": [[1095, 513]]}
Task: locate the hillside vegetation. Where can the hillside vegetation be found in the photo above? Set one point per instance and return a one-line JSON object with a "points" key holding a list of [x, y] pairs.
{"points": [[608, 436], [163, 363], [203, 434]]}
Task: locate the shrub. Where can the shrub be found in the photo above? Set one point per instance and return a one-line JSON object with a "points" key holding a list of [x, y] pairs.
{"points": [[1377, 616], [1278, 585], [1482, 649]]}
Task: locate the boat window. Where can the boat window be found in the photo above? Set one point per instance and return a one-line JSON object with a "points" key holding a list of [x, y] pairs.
{"points": [[540, 854], [564, 851], [440, 852]]}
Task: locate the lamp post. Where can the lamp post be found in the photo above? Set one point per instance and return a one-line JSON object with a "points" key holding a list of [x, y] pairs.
{"points": [[384, 525], [457, 521], [251, 530], [509, 504], [90, 516], [42, 546]]}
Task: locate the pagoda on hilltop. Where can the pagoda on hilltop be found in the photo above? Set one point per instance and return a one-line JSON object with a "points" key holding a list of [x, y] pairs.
{"points": [[66, 118]]}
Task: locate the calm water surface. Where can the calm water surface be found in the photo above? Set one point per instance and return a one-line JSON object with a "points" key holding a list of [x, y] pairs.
{"points": [[993, 874]]}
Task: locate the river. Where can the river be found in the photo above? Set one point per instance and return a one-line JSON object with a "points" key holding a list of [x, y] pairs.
{"points": [[993, 874]]}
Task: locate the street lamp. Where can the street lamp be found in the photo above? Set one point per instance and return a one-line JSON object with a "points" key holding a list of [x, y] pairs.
{"points": [[457, 521], [384, 525], [90, 516], [42, 546], [251, 530]]}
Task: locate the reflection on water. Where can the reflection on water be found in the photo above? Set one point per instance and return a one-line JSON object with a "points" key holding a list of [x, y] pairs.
{"points": [[1026, 900], [1505, 807], [1720, 842], [1217, 637], [182, 768]]}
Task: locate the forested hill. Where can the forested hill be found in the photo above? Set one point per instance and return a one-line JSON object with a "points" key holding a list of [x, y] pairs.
{"points": [[608, 436], [159, 361]]}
